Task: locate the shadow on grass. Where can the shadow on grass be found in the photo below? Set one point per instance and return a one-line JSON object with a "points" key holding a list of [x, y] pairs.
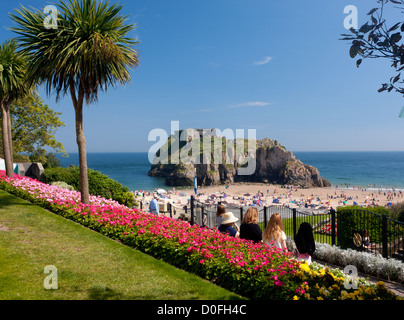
{"points": [[104, 293], [7, 199], [99, 292]]}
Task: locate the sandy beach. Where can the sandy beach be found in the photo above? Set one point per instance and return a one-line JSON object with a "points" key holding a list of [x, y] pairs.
{"points": [[295, 197]]}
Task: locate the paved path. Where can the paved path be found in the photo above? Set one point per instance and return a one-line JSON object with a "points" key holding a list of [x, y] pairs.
{"points": [[397, 288]]}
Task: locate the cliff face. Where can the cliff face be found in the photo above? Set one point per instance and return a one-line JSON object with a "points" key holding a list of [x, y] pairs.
{"points": [[273, 164]]}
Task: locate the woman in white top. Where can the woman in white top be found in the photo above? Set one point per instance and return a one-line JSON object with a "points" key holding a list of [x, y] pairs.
{"points": [[273, 234]]}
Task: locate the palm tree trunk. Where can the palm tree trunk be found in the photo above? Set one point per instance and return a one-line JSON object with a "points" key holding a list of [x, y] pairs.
{"points": [[81, 143], [10, 136], [8, 158]]}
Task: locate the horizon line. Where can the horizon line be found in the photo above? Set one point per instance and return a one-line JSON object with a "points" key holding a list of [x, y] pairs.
{"points": [[69, 152]]}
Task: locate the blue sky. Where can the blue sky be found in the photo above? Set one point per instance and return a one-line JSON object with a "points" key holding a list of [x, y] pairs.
{"points": [[274, 66]]}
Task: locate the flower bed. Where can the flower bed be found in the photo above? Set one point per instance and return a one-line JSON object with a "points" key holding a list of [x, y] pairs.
{"points": [[252, 270], [365, 262]]}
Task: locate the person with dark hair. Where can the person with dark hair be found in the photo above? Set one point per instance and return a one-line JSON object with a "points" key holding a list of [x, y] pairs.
{"points": [[220, 211], [305, 245]]}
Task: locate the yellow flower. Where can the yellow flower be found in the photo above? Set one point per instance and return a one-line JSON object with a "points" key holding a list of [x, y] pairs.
{"points": [[320, 298], [295, 298], [334, 277], [381, 286], [301, 275], [305, 267], [334, 286], [370, 291], [344, 295]]}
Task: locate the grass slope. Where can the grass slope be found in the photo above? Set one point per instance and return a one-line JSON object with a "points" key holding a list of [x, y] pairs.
{"points": [[89, 265]]}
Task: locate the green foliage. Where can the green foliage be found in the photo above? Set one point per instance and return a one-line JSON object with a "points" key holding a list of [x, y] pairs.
{"points": [[13, 66], [397, 211], [88, 51], [33, 128], [62, 184], [99, 184], [91, 36], [353, 219], [51, 161], [375, 39]]}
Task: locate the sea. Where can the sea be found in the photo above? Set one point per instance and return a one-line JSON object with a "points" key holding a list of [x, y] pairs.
{"points": [[350, 169]]}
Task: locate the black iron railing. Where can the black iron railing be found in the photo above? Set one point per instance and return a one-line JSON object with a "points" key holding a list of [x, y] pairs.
{"points": [[358, 229]]}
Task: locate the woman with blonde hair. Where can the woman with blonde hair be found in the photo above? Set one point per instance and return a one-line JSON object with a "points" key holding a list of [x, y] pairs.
{"points": [[273, 234], [249, 229]]}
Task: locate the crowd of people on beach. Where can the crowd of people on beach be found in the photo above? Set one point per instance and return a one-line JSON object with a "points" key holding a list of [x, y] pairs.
{"points": [[315, 200]]}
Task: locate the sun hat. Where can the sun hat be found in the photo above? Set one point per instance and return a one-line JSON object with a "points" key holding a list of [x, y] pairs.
{"points": [[229, 217]]}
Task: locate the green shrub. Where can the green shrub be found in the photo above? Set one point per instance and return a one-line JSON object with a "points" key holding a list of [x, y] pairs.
{"points": [[353, 219], [62, 184], [397, 211], [70, 175], [99, 184]]}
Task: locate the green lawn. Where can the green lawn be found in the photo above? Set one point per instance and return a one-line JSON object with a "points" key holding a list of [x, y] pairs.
{"points": [[89, 265]]}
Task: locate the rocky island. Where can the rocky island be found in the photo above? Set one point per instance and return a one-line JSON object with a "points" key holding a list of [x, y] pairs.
{"points": [[273, 163]]}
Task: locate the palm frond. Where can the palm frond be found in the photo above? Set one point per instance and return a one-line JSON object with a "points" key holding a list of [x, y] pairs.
{"points": [[13, 64], [90, 47]]}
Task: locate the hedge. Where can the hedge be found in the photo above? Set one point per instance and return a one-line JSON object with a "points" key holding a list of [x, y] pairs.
{"points": [[352, 219]]}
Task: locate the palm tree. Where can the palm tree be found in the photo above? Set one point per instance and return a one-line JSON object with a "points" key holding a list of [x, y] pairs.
{"points": [[13, 85], [88, 51]]}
